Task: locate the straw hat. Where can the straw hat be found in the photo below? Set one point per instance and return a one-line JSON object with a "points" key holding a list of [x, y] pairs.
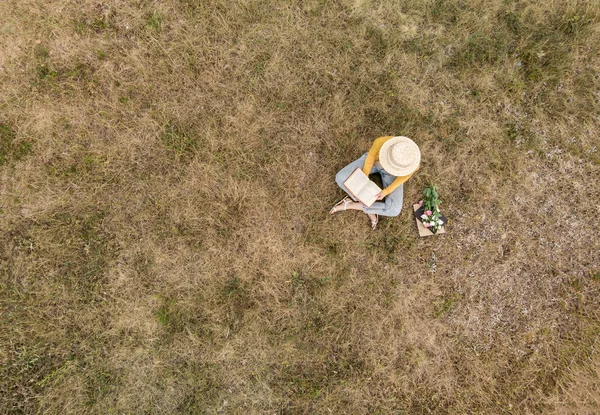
{"points": [[400, 156]]}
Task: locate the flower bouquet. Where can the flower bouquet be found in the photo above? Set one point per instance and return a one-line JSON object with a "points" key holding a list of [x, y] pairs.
{"points": [[428, 213]]}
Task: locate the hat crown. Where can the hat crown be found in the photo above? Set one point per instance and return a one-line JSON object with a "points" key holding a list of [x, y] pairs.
{"points": [[402, 154]]}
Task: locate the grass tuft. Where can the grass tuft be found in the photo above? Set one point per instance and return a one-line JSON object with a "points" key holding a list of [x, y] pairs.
{"points": [[444, 305], [10, 147], [181, 143], [154, 21], [99, 384], [480, 48]]}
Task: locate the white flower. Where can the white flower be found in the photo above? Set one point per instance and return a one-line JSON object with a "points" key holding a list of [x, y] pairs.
{"points": [[437, 209], [423, 216], [440, 222]]}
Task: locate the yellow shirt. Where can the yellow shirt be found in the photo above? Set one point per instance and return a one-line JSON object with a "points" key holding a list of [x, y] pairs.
{"points": [[373, 156]]}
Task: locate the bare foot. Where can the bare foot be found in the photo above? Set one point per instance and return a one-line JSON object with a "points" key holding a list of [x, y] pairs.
{"points": [[341, 205], [374, 220]]}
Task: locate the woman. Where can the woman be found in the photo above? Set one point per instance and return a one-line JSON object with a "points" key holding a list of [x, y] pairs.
{"points": [[396, 159]]}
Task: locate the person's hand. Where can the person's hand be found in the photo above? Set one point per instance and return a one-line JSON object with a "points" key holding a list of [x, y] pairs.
{"points": [[380, 196]]}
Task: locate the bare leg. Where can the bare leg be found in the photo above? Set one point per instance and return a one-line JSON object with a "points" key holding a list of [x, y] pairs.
{"points": [[359, 206], [345, 204], [354, 206]]}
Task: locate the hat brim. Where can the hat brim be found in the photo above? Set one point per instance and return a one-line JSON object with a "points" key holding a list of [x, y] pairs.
{"points": [[398, 171]]}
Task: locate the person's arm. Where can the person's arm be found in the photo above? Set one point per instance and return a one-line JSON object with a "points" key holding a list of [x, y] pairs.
{"points": [[397, 182], [373, 155]]}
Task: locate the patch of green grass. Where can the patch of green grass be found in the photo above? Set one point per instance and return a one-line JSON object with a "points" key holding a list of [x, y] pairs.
{"points": [[10, 147], [298, 279], [48, 74], [445, 304], [43, 68], [164, 313], [324, 280], [481, 48], [446, 11], [22, 374], [98, 385], [377, 41], [154, 21], [236, 301], [258, 64], [86, 166], [388, 243], [56, 374], [175, 315], [512, 132], [143, 264], [81, 250], [45, 72], [28, 359], [575, 283], [573, 24], [449, 132], [86, 26], [334, 248], [181, 142], [424, 46], [233, 287], [545, 47], [544, 57], [397, 116], [91, 24], [41, 52], [540, 49], [305, 386], [522, 136], [512, 21], [79, 71]]}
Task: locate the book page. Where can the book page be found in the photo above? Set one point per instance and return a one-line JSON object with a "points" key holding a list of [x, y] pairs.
{"points": [[356, 181], [368, 194], [361, 187]]}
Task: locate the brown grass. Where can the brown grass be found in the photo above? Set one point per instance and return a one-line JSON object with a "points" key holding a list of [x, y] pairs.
{"points": [[166, 169]]}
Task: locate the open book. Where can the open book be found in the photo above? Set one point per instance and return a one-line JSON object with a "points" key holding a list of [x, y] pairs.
{"points": [[363, 189]]}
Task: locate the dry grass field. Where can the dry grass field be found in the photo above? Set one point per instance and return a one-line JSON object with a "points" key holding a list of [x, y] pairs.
{"points": [[166, 172]]}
